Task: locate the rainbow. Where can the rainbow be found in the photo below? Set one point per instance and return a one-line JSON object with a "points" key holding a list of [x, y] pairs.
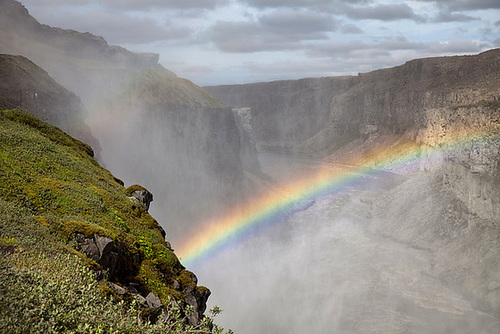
{"points": [[402, 157]]}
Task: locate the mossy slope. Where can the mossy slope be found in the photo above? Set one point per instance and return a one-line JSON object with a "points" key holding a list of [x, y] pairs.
{"points": [[52, 189]]}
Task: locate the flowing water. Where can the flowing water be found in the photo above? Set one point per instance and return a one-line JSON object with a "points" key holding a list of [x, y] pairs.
{"points": [[322, 271]]}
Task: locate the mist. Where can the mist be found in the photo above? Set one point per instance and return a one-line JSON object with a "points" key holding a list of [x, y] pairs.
{"points": [[395, 253], [326, 270]]}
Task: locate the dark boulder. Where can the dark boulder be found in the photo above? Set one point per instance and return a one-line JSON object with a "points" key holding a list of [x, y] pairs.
{"points": [[141, 194], [105, 252], [197, 299]]}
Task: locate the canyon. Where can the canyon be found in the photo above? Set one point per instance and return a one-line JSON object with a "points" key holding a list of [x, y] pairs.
{"points": [[403, 251]]}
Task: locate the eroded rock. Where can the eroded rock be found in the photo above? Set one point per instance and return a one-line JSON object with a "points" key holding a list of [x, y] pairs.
{"points": [[153, 301], [141, 194], [198, 300]]}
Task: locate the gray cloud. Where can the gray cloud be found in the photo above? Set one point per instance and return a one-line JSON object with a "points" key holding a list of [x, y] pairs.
{"points": [[459, 5], [164, 4], [278, 30], [444, 16], [118, 28], [298, 22], [351, 29], [301, 3], [381, 12], [400, 43], [245, 37], [287, 3], [457, 46], [299, 31]]}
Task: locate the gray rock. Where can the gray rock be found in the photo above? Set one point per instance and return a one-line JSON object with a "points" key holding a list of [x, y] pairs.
{"points": [[104, 244], [144, 196], [88, 247], [153, 301], [117, 289], [198, 300]]}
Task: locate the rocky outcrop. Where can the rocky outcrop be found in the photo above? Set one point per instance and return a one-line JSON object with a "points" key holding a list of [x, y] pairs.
{"points": [[140, 195], [117, 265]]}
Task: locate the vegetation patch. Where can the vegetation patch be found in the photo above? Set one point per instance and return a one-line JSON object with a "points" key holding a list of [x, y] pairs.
{"points": [[52, 191]]}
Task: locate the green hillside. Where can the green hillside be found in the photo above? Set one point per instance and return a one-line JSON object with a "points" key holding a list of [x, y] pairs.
{"points": [[56, 202]]}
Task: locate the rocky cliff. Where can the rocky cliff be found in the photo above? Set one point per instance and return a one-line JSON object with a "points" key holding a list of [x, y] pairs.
{"points": [[429, 101], [316, 115], [285, 112]]}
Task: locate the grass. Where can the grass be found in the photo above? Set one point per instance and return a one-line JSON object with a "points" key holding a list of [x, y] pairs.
{"points": [[51, 188]]}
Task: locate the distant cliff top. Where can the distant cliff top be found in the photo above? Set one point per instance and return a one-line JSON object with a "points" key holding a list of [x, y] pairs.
{"points": [[394, 100], [15, 17], [82, 62]]}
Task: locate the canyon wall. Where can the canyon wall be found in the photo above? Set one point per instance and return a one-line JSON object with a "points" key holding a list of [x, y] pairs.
{"points": [[430, 101], [450, 108], [315, 116]]}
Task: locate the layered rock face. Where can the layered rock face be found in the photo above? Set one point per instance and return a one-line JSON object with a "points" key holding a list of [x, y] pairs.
{"points": [[318, 115], [285, 112]]}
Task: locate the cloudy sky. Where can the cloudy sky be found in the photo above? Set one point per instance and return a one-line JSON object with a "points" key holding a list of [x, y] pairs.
{"points": [[239, 41]]}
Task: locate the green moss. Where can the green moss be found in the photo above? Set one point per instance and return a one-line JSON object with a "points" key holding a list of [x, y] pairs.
{"points": [[49, 131], [202, 289], [51, 188], [185, 278]]}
